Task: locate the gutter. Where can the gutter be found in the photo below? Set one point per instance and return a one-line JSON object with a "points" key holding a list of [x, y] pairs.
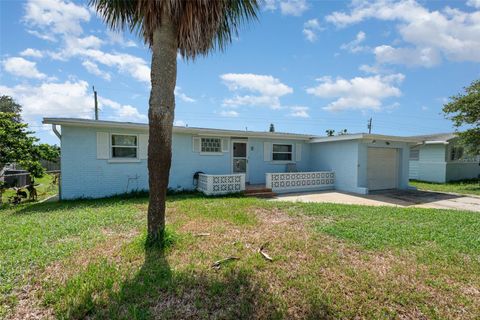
{"points": [[55, 130]]}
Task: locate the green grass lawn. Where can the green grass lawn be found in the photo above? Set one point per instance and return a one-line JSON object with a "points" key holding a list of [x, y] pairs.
{"points": [[471, 186], [45, 188], [79, 259]]}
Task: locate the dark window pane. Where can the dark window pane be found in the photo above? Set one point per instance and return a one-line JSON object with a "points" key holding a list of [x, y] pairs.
{"points": [[124, 152], [239, 150], [239, 165], [123, 140], [282, 156], [282, 148]]}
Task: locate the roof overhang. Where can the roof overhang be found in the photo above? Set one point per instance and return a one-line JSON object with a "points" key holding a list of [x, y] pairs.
{"points": [[363, 136], [176, 129], [435, 142]]}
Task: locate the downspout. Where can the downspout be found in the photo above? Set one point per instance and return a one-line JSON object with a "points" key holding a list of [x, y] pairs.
{"points": [[57, 133], [55, 130]]}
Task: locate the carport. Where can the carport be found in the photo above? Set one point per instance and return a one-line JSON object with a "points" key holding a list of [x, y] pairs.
{"points": [[363, 162]]}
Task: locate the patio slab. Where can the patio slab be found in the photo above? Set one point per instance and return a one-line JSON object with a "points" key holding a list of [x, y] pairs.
{"points": [[397, 198]]}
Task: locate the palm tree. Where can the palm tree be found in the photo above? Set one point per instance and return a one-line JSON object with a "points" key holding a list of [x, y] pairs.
{"points": [[191, 28]]}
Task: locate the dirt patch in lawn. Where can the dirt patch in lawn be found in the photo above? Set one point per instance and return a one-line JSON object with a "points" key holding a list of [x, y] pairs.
{"points": [[30, 304], [312, 275]]}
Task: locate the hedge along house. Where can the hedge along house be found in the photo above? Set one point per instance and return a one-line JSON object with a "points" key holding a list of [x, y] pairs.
{"points": [[104, 158], [440, 158]]}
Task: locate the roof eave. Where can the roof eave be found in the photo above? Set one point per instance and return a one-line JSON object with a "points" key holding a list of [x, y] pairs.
{"points": [[176, 129]]}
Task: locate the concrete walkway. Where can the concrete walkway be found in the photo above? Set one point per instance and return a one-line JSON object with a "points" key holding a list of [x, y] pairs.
{"points": [[397, 198]]}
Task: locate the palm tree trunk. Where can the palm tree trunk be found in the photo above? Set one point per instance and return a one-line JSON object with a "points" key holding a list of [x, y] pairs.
{"points": [[160, 118]]}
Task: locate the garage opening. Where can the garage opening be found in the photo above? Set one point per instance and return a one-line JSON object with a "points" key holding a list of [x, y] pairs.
{"points": [[382, 168]]}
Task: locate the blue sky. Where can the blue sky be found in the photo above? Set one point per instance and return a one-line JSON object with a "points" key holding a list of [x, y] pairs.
{"points": [[304, 66]]}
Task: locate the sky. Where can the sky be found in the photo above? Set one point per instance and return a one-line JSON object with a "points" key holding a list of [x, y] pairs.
{"points": [[304, 66]]}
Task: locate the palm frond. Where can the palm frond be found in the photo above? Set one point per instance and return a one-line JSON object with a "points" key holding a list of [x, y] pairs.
{"points": [[201, 25]]}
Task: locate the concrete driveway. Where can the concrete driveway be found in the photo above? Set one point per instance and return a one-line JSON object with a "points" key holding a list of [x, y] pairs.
{"points": [[398, 198]]}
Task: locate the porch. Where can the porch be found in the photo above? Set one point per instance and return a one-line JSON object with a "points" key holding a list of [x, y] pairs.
{"points": [[283, 182]]}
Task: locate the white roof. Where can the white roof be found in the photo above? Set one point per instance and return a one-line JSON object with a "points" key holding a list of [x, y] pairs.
{"points": [[177, 129], [223, 132], [363, 136]]}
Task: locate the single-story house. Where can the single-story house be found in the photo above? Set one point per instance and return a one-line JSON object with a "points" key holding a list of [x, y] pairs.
{"points": [[103, 158], [439, 158]]}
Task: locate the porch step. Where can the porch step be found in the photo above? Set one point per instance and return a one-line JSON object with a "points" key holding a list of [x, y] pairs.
{"points": [[260, 193], [251, 190]]}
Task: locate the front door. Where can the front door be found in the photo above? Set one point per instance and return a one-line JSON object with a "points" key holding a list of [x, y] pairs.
{"points": [[240, 159]]}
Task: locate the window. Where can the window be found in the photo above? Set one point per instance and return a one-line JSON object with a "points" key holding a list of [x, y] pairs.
{"points": [[211, 145], [124, 146], [282, 152], [414, 154], [456, 153]]}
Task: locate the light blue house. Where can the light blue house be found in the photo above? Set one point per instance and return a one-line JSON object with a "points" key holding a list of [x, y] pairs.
{"points": [[103, 158], [439, 158]]}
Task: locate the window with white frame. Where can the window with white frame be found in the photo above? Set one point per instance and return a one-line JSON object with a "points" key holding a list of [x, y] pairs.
{"points": [[414, 154], [211, 145], [456, 153], [124, 146], [282, 152]]}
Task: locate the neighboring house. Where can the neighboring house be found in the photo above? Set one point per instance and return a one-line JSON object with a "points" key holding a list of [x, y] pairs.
{"points": [[439, 158], [103, 158]]}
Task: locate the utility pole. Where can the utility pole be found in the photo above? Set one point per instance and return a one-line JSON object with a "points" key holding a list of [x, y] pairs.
{"points": [[96, 102], [369, 126]]}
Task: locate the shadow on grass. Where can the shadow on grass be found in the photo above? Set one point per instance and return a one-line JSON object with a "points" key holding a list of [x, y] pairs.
{"points": [[156, 291], [140, 197]]}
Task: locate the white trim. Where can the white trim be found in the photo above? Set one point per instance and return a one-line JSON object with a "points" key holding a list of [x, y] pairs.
{"points": [[176, 129], [291, 153], [435, 142], [122, 159], [233, 158], [363, 136]]}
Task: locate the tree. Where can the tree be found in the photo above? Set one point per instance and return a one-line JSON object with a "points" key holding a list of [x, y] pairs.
{"points": [[17, 145], [8, 105], [464, 109], [272, 127], [330, 132], [190, 28]]}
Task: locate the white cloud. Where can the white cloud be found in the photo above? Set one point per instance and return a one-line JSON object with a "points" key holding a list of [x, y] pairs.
{"points": [[287, 7], [122, 112], [67, 99], [355, 46], [293, 7], [33, 53], [424, 108], [268, 89], [310, 29], [229, 113], [21, 67], [179, 123], [125, 63], [474, 3], [361, 93], [450, 33], [182, 96], [426, 57], [269, 5], [55, 17], [299, 112], [93, 69], [374, 69], [118, 38], [57, 20]]}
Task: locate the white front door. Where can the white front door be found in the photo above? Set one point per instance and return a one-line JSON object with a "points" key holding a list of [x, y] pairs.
{"points": [[240, 157]]}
